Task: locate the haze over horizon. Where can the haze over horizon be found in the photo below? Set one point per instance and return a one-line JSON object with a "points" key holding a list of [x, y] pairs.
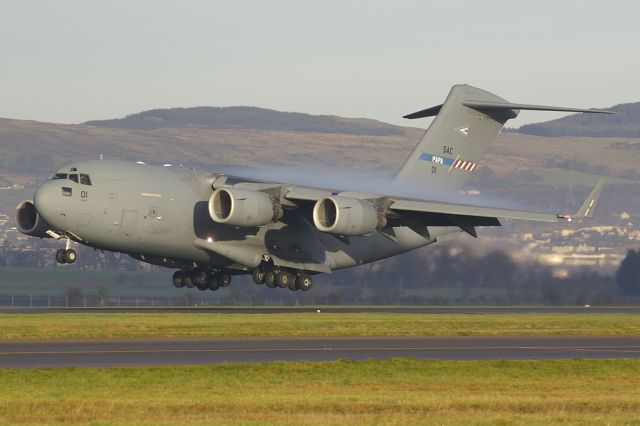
{"points": [[77, 61]]}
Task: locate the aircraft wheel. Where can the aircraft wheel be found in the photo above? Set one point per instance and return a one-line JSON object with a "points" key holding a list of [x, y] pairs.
{"points": [[200, 278], [258, 276], [187, 280], [202, 286], [60, 256], [270, 279], [70, 256], [178, 279], [293, 286], [224, 279], [304, 282], [283, 279], [212, 284]]}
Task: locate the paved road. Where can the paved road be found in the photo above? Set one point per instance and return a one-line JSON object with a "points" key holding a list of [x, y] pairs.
{"points": [[108, 352], [337, 309]]}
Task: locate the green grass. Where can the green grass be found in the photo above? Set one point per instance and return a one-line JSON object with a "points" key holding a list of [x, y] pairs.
{"points": [[397, 392], [138, 325]]}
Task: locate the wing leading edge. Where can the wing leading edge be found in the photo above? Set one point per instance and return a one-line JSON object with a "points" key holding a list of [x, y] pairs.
{"points": [[465, 216]]}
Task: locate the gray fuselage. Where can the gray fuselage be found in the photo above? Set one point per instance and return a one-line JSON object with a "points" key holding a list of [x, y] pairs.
{"points": [[158, 214]]}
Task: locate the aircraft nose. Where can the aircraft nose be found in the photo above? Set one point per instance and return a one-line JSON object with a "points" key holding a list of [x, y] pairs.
{"points": [[46, 200]]}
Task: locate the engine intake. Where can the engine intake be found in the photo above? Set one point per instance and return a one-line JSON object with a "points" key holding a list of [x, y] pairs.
{"points": [[345, 216], [29, 222], [242, 207]]}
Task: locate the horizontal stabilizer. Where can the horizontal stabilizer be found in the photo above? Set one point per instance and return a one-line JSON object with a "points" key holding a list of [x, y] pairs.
{"points": [[429, 112], [492, 106]]}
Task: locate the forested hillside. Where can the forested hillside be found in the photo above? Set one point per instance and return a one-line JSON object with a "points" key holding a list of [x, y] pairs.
{"points": [[247, 118]]}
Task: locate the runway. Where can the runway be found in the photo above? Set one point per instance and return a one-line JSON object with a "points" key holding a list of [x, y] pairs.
{"points": [[336, 309], [139, 352]]}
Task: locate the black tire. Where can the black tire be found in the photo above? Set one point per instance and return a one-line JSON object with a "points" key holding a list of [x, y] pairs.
{"points": [[293, 284], [304, 282], [177, 279], [258, 276], [70, 256], [200, 278], [283, 279], [270, 279], [187, 280], [213, 284], [224, 279], [202, 286], [60, 256]]}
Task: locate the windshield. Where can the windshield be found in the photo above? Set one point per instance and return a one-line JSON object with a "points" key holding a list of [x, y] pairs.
{"points": [[56, 176], [85, 179]]}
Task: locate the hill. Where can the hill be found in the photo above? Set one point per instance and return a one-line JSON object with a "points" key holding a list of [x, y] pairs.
{"points": [[625, 123], [247, 118]]}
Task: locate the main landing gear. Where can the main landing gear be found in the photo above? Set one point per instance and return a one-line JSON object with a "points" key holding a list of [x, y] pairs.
{"points": [[67, 254], [201, 279], [282, 278]]}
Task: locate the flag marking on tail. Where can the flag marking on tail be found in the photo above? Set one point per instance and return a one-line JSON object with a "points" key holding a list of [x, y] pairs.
{"points": [[456, 163]]}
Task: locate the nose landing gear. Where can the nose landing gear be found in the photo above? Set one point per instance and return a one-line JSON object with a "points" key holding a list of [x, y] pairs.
{"points": [[67, 254]]}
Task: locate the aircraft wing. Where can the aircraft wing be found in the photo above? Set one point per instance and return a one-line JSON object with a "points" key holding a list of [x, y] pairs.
{"points": [[421, 213], [469, 210]]}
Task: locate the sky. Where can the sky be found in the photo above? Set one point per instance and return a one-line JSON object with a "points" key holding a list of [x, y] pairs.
{"points": [[76, 60]]}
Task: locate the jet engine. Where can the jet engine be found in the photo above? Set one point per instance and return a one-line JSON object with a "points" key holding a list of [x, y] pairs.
{"points": [[242, 207], [29, 222], [346, 216]]}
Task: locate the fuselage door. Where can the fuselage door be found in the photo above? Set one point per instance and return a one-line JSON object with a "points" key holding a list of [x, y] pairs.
{"points": [[128, 222]]}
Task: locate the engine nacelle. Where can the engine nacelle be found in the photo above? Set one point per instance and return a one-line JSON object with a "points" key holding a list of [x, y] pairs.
{"points": [[345, 216], [29, 222], [242, 207]]}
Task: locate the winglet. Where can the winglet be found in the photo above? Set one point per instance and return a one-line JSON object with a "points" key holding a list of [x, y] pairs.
{"points": [[589, 205]]}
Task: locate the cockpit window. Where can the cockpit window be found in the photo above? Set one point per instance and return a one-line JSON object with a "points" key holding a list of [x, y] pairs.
{"points": [[85, 179], [74, 178], [57, 176]]}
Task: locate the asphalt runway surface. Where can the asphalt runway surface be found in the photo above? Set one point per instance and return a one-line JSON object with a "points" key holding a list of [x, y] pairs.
{"points": [[139, 352], [335, 309]]}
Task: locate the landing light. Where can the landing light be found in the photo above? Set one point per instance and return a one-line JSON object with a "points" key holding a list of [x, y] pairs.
{"points": [[209, 240]]}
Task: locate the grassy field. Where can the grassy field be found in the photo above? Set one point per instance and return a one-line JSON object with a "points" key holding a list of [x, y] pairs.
{"points": [[398, 392], [137, 325]]}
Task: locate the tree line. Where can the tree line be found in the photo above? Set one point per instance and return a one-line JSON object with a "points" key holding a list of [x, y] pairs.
{"points": [[451, 274]]}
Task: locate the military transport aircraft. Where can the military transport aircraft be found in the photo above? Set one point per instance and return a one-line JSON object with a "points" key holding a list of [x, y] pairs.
{"points": [[210, 227]]}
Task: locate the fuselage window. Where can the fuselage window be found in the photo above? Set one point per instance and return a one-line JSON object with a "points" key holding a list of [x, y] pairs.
{"points": [[57, 176], [85, 179], [74, 178], [66, 191]]}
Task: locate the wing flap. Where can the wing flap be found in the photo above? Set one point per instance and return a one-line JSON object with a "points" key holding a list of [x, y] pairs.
{"points": [[469, 210]]}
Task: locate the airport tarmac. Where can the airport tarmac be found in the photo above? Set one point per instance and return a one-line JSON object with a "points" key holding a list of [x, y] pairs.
{"points": [[139, 352], [335, 309]]}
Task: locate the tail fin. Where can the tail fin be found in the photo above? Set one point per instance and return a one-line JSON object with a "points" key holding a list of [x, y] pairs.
{"points": [[464, 128]]}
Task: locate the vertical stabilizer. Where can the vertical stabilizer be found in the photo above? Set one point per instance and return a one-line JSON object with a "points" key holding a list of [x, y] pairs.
{"points": [[464, 128], [452, 147]]}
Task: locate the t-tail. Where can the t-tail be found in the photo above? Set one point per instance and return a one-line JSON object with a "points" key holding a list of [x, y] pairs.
{"points": [[465, 125]]}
